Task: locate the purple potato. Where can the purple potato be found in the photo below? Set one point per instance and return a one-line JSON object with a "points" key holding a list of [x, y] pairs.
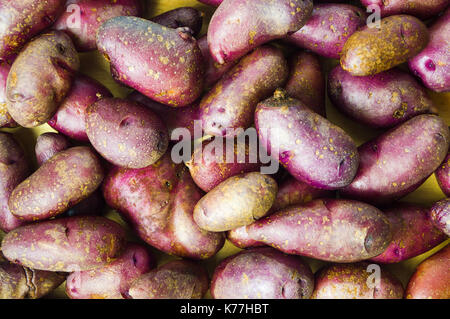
{"points": [[181, 17], [417, 8], [48, 145], [440, 215], [443, 175]]}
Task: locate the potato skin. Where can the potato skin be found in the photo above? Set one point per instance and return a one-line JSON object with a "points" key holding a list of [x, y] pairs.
{"points": [[372, 50], [417, 8], [60, 183], [179, 279], [14, 168], [40, 78], [48, 145], [440, 215], [239, 26], [161, 63], [381, 100], [262, 273], [349, 281], [5, 118], [24, 19], [311, 148], [70, 118], [65, 244], [316, 230], [399, 161], [93, 13], [432, 64], [431, 279], [113, 280], [328, 28], [158, 201], [443, 176], [231, 103], [413, 233], [307, 81], [236, 202], [181, 17]]}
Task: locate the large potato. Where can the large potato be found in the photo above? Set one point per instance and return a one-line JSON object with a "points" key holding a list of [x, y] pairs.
{"points": [[65, 244], [440, 215]]}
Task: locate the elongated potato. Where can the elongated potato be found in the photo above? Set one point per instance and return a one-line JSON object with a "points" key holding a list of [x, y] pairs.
{"points": [[417, 8], [262, 273], [443, 176], [48, 145], [181, 17], [60, 183], [5, 118], [236, 202], [440, 215], [400, 160], [65, 244]]}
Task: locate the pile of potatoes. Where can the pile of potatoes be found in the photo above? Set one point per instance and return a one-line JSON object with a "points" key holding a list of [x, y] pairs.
{"points": [[261, 65]]}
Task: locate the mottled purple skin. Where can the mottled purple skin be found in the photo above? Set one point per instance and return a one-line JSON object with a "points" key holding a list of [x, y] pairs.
{"points": [[161, 63], [126, 133], [70, 119], [213, 70], [179, 279], [328, 28], [239, 26], [14, 169], [231, 103], [181, 17], [417, 8], [113, 280], [173, 118], [307, 81], [59, 184], [5, 118], [350, 281], [413, 233], [333, 230], [214, 3], [209, 167], [381, 100], [65, 244], [48, 145], [22, 20], [158, 201], [262, 273], [432, 64], [311, 148], [92, 14], [443, 176], [40, 78], [397, 162], [440, 215]]}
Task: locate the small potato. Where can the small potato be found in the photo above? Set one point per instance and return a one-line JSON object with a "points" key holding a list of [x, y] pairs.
{"points": [[333, 230], [70, 119], [431, 279], [5, 118], [440, 215], [262, 273], [443, 176], [417, 8], [236, 202], [181, 17], [399, 161], [373, 50], [413, 233], [126, 133], [114, 280], [239, 26], [310, 147], [48, 145], [82, 18], [65, 244], [179, 279], [356, 281], [40, 78], [60, 183], [382, 100], [161, 63], [14, 168]]}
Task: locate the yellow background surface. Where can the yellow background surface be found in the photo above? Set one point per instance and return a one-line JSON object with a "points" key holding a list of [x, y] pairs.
{"points": [[94, 65]]}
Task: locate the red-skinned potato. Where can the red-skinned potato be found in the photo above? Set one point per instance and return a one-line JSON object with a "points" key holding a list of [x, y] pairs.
{"points": [[353, 281], [161, 63], [113, 280], [431, 279], [181, 17], [440, 215], [443, 176], [158, 201], [65, 244], [48, 145], [82, 18], [40, 78], [179, 279], [262, 273], [60, 183], [5, 118], [417, 8]]}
